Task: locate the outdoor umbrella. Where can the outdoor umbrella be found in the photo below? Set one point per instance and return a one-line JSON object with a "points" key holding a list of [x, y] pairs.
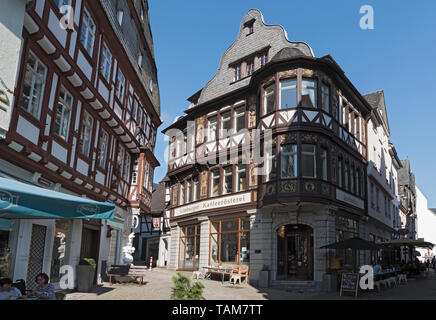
{"points": [[354, 244]]}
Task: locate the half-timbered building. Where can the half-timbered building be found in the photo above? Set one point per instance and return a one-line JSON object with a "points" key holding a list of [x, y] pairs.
{"points": [[310, 188], [84, 122]]}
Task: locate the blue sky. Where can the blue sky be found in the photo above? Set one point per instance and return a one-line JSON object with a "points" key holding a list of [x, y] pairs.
{"points": [[398, 56]]}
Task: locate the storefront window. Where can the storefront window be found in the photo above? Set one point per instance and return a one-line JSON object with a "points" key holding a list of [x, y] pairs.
{"points": [[346, 229], [230, 241], [59, 255], [189, 255], [5, 259]]}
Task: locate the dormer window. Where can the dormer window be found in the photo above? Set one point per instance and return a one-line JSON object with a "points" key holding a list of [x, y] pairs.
{"points": [[249, 27], [250, 67], [120, 17], [237, 73], [263, 59]]}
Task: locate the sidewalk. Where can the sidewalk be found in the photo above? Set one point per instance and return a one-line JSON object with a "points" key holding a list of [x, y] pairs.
{"points": [[158, 284]]}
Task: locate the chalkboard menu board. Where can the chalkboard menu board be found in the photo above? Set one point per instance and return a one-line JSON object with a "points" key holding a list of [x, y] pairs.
{"points": [[350, 283]]}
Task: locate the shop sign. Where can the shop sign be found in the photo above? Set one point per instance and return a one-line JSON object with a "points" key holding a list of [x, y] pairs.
{"points": [[214, 204], [88, 210], [350, 199], [156, 223], [7, 200]]}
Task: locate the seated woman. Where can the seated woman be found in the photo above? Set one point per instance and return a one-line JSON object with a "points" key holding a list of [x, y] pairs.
{"points": [[7, 291], [44, 290]]}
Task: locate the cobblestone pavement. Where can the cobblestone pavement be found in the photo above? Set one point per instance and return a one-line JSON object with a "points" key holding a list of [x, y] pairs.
{"points": [[158, 284]]}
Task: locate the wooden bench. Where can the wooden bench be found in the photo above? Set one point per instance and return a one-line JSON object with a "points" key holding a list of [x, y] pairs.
{"points": [[134, 272], [240, 271]]}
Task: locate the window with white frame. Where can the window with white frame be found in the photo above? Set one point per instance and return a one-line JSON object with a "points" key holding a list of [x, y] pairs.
{"points": [[106, 63], [308, 160], [228, 180], [120, 159], [226, 123], [102, 148], [87, 36], [189, 192], [288, 161], [237, 75], [34, 85], [63, 114], [86, 137], [195, 193], [121, 86]]}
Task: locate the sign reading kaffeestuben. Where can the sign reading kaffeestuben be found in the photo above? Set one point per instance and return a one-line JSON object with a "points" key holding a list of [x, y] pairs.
{"points": [[214, 204]]}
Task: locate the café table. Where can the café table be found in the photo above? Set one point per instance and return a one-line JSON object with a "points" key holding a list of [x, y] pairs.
{"points": [[216, 268]]}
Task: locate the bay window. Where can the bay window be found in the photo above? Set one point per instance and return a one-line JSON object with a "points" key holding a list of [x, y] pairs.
{"points": [[325, 94], [120, 159], [195, 195], [189, 192], [340, 168], [308, 93], [271, 165], [288, 161], [309, 161], [288, 94], [182, 194], [269, 99], [324, 164], [63, 114], [352, 179], [34, 85], [347, 171]]}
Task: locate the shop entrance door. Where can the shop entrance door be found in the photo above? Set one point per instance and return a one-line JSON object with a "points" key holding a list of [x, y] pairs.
{"points": [[295, 253]]}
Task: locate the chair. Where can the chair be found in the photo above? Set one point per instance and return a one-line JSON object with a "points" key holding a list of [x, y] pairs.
{"points": [[243, 271], [60, 296], [235, 275], [402, 278], [21, 285], [197, 275]]}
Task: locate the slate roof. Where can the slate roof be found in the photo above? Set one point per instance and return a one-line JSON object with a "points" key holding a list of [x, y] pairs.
{"points": [[158, 200], [377, 102]]}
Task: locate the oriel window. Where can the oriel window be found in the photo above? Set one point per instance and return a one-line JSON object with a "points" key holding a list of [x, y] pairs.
{"points": [[271, 165], [102, 148], [308, 161], [308, 93], [288, 94], [324, 163], [325, 94], [288, 161], [269, 99]]}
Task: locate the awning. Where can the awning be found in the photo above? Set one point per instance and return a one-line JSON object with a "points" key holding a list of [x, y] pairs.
{"points": [[23, 201], [409, 242], [6, 224], [116, 223]]}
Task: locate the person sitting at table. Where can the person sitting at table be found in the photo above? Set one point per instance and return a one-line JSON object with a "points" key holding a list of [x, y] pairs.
{"points": [[376, 267], [44, 290], [7, 291]]}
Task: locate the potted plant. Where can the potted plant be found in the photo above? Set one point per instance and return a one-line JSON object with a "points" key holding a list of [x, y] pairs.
{"points": [[264, 277], [85, 274]]}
